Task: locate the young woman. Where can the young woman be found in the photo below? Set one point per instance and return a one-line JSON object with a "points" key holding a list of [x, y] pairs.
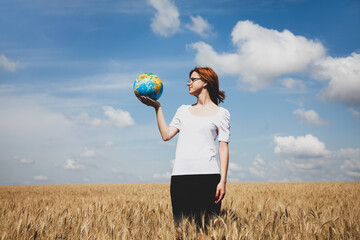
{"points": [[198, 184]]}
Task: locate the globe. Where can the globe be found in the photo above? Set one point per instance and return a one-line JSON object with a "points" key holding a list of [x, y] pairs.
{"points": [[148, 85]]}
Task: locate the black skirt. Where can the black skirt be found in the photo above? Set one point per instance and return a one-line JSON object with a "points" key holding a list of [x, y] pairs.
{"points": [[193, 196]]}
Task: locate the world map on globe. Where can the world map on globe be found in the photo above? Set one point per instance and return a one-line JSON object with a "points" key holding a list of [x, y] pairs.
{"points": [[148, 85]]}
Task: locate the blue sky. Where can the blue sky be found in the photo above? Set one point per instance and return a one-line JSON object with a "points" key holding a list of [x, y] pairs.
{"points": [[290, 71]]}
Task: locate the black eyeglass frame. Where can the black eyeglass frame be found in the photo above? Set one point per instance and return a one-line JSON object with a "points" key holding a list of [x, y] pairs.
{"points": [[192, 80]]}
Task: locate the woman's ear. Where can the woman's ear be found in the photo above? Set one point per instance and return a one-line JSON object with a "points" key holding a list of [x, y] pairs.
{"points": [[205, 84]]}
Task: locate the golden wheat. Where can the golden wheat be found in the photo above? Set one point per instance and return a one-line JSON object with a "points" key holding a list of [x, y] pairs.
{"points": [[143, 211]]}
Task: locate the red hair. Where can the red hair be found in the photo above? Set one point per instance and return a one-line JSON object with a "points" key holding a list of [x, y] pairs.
{"points": [[208, 75]]}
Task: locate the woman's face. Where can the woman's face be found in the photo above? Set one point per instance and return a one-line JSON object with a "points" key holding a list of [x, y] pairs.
{"points": [[195, 84]]}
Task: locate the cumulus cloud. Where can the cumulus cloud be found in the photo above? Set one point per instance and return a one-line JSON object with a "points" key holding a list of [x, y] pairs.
{"points": [[166, 21], [23, 160], [351, 165], [303, 158], [118, 118], [343, 75], [307, 159], [236, 172], [293, 84], [7, 64], [341, 165], [199, 26], [88, 153], [115, 118], [261, 54], [84, 119], [72, 165], [40, 178], [259, 167], [310, 117], [302, 146], [234, 167], [354, 112], [109, 144]]}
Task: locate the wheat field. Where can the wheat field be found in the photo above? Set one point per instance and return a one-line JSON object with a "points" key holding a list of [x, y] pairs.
{"points": [[143, 211]]}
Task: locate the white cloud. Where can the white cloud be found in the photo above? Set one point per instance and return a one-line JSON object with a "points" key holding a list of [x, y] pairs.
{"points": [[115, 118], [259, 167], [23, 160], [293, 84], [84, 119], [258, 161], [166, 175], [354, 112], [353, 174], [310, 117], [199, 26], [351, 165], [7, 64], [34, 128], [88, 153], [257, 172], [236, 172], [40, 178], [109, 144], [302, 146], [304, 163], [166, 21], [118, 118], [343, 75], [234, 167], [261, 54], [72, 165], [306, 159]]}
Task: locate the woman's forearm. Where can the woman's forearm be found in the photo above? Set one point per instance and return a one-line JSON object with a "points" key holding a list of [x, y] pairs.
{"points": [[166, 132], [224, 160]]}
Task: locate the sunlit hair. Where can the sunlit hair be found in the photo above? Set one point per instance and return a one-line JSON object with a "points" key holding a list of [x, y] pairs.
{"points": [[208, 75]]}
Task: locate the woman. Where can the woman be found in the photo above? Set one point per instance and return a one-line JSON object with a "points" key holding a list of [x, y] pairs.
{"points": [[198, 184]]}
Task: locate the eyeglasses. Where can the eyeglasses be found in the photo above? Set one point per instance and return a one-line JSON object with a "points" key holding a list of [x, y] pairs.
{"points": [[192, 80]]}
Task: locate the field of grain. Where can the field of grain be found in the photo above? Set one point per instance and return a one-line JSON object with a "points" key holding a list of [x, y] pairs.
{"points": [[143, 211]]}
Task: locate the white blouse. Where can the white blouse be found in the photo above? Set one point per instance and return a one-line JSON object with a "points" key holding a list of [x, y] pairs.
{"points": [[196, 150]]}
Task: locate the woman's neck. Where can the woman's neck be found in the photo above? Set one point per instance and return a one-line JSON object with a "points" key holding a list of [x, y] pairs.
{"points": [[203, 99]]}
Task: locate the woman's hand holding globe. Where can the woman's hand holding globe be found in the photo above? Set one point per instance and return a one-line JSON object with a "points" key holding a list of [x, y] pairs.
{"points": [[149, 102]]}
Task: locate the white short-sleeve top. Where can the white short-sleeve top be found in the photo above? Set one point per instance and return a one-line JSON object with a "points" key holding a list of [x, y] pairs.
{"points": [[196, 150]]}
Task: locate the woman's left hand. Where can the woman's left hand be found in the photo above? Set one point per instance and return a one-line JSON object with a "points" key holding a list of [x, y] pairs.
{"points": [[220, 192]]}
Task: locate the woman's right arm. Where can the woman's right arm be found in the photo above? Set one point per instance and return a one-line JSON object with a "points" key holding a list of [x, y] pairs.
{"points": [[167, 132]]}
